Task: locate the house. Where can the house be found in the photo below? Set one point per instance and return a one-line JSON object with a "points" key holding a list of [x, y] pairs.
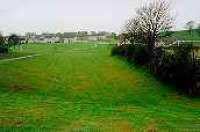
{"points": [[43, 38], [69, 39], [96, 37]]}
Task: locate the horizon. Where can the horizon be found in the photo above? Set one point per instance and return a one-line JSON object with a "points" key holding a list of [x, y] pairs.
{"points": [[53, 16]]}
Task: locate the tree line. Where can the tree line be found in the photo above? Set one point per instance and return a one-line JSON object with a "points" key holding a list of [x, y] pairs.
{"points": [[142, 43]]}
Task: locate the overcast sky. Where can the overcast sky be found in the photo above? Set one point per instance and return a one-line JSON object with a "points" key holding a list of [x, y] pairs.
{"points": [[20, 16]]}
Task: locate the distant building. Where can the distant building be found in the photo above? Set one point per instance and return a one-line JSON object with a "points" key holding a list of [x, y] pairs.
{"points": [[69, 34], [69, 40], [82, 33], [67, 37], [96, 37], [43, 38]]}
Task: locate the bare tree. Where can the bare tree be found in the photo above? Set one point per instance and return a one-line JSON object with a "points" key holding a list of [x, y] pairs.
{"points": [[150, 21], [134, 31], [124, 38]]}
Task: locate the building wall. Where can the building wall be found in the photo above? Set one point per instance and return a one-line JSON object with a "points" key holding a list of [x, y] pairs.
{"points": [[44, 40]]}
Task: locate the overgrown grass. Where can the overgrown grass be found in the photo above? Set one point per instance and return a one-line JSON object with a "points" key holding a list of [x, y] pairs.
{"points": [[81, 87]]}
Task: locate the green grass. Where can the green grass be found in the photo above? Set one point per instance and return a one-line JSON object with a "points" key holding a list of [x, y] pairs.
{"points": [[81, 87], [186, 35]]}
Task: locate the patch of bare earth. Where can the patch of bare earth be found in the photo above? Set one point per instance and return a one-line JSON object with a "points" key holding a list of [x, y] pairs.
{"points": [[151, 127], [109, 125], [10, 122], [83, 83], [16, 117], [118, 126], [19, 87]]}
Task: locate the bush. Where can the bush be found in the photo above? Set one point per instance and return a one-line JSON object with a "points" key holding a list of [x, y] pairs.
{"points": [[3, 46], [3, 49], [142, 54], [13, 40], [137, 53], [173, 64], [120, 50]]}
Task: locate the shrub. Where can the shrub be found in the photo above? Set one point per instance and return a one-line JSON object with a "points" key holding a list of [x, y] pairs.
{"points": [[3, 49], [120, 50], [137, 53], [141, 54], [13, 40], [174, 64], [183, 67], [3, 46]]}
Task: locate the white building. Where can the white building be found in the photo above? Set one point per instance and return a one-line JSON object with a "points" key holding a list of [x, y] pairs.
{"points": [[69, 40], [43, 39]]}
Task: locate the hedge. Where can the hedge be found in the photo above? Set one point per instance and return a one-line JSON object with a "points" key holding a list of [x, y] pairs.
{"points": [[174, 65]]}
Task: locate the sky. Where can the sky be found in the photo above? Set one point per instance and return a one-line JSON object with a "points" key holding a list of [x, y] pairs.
{"points": [[20, 16]]}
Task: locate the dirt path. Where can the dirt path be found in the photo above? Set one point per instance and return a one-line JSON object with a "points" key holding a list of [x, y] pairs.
{"points": [[20, 58]]}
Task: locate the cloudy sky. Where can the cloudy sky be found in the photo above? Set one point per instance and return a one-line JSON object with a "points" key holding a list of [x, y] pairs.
{"points": [[20, 16]]}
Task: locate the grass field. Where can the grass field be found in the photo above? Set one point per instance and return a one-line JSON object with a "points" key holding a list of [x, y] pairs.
{"points": [[186, 35], [81, 87]]}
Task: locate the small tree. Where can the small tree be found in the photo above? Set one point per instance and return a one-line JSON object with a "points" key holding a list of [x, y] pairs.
{"points": [[150, 21], [190, 26], [134, 31]]}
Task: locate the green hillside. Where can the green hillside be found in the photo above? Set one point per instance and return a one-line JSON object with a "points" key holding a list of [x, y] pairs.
{"points": [[186, 35]]}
